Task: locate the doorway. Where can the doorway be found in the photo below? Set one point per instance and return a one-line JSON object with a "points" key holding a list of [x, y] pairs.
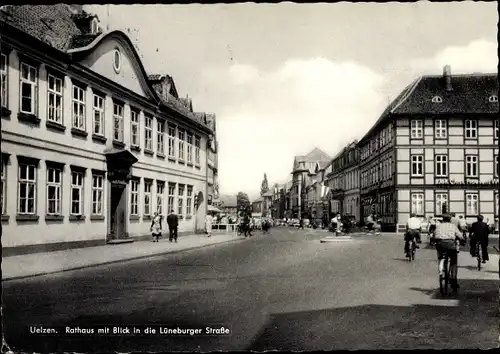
{"points": [[117, 217]]}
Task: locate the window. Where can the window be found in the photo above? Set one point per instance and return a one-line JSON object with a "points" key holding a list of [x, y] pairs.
{"points": [[117, 122], [416, 129], [3, 80], [171, 197], [54, 190], [189, 149], [471, 129], [181, 144], [441, 202], [98, 108], [189, 200], [160, 186], [180, 200], [78, 108], [470, 166], [134, 128], [28, 88], [472, 204], [134, 197], [497, 171], [3, 196], [437, 99], [54, 99], [148, 134], [171, 141], [197, 150], [417, 203], [27, 189], [417, 165], [76, 193], [160, 142], [497, 204], [440, 129], [117, 60], [147, 197], [441, 166], [97, 194], [493, 98], [496, 128]]}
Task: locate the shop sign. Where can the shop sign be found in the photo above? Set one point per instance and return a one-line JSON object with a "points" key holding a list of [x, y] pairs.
{"points": [[468, 183]]}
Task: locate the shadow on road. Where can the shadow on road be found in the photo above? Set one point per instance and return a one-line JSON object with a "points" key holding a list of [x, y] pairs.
{"points": [[471, 324]]}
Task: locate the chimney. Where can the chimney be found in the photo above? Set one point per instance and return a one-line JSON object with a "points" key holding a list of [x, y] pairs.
{"points": [[447, 77]]}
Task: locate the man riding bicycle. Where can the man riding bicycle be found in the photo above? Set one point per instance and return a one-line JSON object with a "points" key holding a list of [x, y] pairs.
{"points": [[413, 228], [445, 236]]}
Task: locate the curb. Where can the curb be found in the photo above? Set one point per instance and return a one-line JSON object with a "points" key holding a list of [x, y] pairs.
{"points": [[115, 261]]}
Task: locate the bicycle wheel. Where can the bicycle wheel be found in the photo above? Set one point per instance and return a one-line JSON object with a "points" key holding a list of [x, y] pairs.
{"points": [[478, 255], [444, 279], [408, 251], [413, 251]]}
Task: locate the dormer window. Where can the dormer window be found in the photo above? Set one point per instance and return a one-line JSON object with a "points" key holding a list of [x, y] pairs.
{"points": [[437, 99], [94, 26], [493, 98]]}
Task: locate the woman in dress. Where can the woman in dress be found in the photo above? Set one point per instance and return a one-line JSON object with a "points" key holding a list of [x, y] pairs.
{"points": [[156, 227], [208, 224]]}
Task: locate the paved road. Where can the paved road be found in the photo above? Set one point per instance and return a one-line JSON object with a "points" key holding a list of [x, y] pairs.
{"points": [[282, 291]]}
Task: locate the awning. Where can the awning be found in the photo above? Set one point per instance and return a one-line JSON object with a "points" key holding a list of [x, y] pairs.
{"points": [[214, 209]]}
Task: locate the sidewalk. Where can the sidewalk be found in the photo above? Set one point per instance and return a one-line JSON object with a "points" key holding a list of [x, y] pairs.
{"points": [[29, 265]]}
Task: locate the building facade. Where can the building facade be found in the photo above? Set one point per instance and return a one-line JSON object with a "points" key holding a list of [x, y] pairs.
{"points": [[91, 146], [434, 149], [344, 182], [303, 166]]}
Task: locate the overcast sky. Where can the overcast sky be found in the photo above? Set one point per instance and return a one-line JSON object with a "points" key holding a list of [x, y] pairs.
{"points": [[285, 78]]}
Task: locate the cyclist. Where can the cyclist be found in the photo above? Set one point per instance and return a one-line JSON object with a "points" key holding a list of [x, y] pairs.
{"points": [[479, 238], [445, 237], [413, 228]]}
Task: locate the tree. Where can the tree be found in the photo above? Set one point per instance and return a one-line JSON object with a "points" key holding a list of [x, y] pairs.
{"points": [[242, 201]]}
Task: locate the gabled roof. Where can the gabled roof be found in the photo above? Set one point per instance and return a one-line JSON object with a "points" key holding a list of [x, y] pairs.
{"points": [[258, 200], [55, 26], [158, 78], [316, 156], [469, 95]]}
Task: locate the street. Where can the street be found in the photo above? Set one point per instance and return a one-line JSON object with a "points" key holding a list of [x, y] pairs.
{"points": [[284, 291]]}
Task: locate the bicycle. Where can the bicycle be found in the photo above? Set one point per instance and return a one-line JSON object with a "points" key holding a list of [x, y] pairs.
{"points": [[445, 276], [479, 254], [410, 254]]}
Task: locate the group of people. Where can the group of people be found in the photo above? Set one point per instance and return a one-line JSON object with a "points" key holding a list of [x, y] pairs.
{"points": [[156, 227], [172, 222], [447, 236]]}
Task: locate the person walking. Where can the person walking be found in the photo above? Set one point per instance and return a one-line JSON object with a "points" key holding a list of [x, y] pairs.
{"points": [[479, 232], [156, 226], [208, 224], [301, 224], [173, 224]]}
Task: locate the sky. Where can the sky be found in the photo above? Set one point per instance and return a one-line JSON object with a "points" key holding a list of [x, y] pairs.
{"points": [[286, 78]]}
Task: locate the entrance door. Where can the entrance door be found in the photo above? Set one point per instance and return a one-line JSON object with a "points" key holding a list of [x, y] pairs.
{"points": [[117, 219]]}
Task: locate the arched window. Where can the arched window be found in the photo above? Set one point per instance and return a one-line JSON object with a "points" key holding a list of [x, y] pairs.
{"points": [[437, 99]]}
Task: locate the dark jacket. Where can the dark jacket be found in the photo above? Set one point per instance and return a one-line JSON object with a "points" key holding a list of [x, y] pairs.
{"points": [[172, 221], [479, 230]]}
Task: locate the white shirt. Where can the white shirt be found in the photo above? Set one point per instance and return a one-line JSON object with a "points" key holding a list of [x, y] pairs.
{"points": [[414, 223], [462, 222]]}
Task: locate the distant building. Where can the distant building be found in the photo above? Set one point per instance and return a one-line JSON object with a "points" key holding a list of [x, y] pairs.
{"points": [[228, 204], [303, 166], [343, 181], [434, 149], [92, 146]]}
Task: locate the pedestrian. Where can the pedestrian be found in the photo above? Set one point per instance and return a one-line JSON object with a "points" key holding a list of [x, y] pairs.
{"points": [[301, 224], [173, 224], [479, 232], [156, 226], [208, 224]]}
